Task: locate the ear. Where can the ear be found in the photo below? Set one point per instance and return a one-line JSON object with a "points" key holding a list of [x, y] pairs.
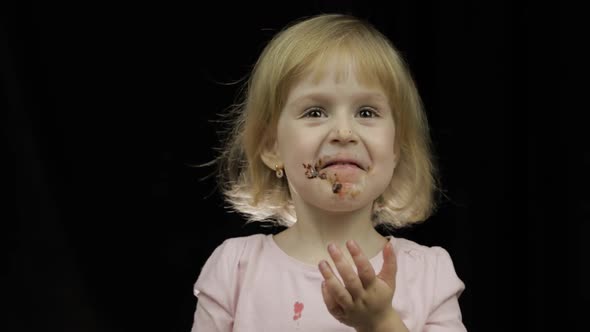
{"points": [[270, 157]]}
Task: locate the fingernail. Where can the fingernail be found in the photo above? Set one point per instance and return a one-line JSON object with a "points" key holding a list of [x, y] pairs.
{"points": [[352, 244], [332, 248], [389, 246]]}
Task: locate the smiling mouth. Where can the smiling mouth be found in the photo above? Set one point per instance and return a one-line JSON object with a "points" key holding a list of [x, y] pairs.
{"points": [[317, 171]]}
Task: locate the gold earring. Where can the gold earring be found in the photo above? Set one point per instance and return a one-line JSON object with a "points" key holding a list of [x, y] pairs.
{"points": [[279, 171]]}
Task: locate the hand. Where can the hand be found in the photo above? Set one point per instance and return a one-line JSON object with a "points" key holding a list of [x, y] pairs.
{"points": [[364, 301]]}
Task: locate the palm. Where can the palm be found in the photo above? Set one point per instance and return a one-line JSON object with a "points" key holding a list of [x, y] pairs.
{"points": [[364, 297]]}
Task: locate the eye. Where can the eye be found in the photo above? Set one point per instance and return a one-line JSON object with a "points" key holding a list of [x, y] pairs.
{"points": [[368, 112], [314, 112]]}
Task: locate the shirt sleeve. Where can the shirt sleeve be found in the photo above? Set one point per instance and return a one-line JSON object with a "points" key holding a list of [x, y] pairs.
{"points": [[445, 313], [216, 289]]}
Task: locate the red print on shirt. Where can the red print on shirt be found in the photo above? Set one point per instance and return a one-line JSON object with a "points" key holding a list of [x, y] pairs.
{"points": [[298, 308]]}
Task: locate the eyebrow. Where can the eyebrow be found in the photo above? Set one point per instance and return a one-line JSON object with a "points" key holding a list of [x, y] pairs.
{"points": [[325, 97]]}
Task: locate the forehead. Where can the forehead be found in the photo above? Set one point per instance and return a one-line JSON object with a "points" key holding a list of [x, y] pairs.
{"points": [[338, 70], [338, 67]]}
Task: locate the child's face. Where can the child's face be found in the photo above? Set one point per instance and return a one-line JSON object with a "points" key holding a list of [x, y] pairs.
{"points": [[336, 140]]}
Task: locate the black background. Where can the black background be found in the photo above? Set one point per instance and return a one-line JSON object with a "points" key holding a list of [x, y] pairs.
{"points": [[104, 106]]}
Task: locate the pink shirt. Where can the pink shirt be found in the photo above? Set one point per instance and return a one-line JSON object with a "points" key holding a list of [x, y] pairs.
{"points": [[249, 284]]}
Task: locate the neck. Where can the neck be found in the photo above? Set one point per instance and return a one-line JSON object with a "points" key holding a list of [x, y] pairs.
{"points": [[318, 229], [308, 239]]}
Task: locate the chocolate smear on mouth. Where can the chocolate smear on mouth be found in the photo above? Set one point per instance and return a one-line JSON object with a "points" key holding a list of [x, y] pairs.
{"points": [[336, 187], [310, 171], [319, 164]]}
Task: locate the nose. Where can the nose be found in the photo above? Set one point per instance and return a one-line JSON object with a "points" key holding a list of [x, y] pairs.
{"points": [[343, 133]]}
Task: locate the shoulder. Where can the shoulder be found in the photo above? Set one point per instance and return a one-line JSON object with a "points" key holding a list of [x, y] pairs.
{"points": [[430, 279], [241, 243], [431, 264], [223, 263], [416, 251], [231, 250]]}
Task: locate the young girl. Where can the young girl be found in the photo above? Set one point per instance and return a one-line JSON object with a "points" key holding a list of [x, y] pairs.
{"points": [[330, 140]]}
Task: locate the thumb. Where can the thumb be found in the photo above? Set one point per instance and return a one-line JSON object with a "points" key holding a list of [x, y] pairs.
{"points": [[389, 268]]}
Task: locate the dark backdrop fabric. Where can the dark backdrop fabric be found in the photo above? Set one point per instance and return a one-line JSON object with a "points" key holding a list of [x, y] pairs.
{"points": [[105, 106]]}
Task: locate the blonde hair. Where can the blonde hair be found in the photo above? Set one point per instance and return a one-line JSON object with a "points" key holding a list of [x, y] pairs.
{"points": [[252, 188]]}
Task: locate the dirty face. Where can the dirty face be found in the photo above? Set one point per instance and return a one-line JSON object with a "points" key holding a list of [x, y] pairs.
{"points": [[340, 172], [336, 136]]}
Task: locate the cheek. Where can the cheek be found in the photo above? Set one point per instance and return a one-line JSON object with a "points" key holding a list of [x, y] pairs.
{"points": [[383, 158], [382, 147], [294, 150], [293, 139]]}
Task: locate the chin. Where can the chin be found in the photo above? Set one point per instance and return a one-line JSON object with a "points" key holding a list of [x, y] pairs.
{"points": [[348, 197], [344, 202]]}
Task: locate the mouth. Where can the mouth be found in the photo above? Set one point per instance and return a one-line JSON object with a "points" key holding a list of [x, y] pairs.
{"points": [[343, 172], [339, 163]]}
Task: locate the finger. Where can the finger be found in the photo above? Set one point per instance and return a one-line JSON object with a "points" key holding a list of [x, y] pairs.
{"points": [[349, 277], [365, 270], [330, 302], [389, 268], [337, 291]]}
